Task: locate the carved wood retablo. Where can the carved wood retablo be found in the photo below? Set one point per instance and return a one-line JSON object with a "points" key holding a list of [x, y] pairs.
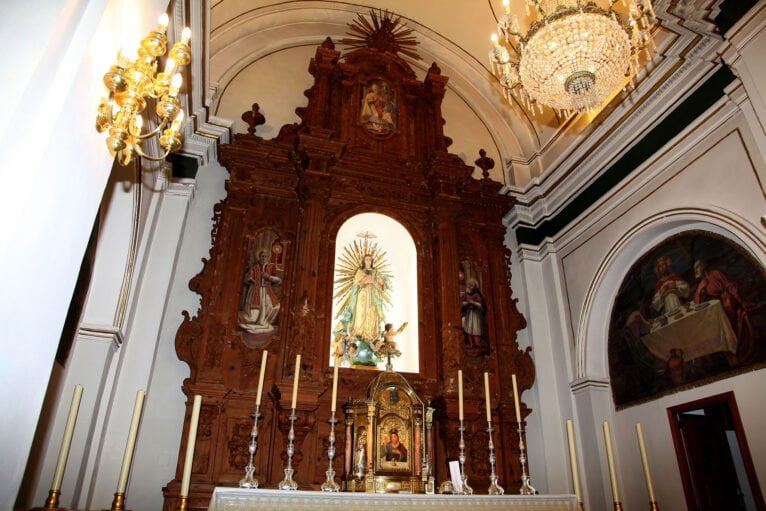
{"points": [[268, 282]]}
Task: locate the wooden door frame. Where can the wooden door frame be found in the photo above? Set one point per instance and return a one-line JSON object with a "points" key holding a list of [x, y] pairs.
{"points": [[683, 465]]}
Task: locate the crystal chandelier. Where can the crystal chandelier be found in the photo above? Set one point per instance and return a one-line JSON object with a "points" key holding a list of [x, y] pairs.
{"points": [[131, 82], [574, 55]]}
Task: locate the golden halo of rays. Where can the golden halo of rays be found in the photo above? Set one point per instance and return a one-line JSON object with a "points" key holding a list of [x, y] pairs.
{"points": [[349, 261]]}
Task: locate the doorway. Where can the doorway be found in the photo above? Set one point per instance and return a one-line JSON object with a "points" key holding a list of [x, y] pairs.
{"points": [[716, 468]]}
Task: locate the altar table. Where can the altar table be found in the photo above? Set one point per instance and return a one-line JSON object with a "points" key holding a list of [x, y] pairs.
{"points": [[236, 499]]}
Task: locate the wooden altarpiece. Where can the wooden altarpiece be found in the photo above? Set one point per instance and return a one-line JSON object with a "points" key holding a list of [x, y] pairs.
{"points": [[298, 189]]}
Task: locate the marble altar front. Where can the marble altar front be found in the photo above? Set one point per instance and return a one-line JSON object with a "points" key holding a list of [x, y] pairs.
{"points": [[236, 499]]}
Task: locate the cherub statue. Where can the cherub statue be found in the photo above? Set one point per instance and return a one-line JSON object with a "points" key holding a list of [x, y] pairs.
{"points": [[386, 346]]}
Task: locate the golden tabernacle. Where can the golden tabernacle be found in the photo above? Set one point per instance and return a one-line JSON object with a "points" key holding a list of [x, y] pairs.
{"points": [[388, 439]]}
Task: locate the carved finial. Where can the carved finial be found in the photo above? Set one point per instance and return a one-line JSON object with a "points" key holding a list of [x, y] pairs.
{"points": [[485, 163], [253, 118], [384, 31], [328, 44], [434, 69]]}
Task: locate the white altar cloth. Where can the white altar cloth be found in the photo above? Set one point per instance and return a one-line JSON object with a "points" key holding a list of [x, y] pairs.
{"points": [[236, 499]]}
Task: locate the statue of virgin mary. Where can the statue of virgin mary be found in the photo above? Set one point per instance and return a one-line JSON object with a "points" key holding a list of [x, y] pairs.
{"points": [[363, 289]]}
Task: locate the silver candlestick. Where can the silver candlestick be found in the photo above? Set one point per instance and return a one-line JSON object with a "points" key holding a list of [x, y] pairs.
{"points": [[330, 484], [467, 490], [526, 488], [494, 488], [288, 483], [249, 481]]}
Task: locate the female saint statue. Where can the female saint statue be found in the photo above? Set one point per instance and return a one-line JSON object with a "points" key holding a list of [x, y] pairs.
{"points": [[363, 289]]}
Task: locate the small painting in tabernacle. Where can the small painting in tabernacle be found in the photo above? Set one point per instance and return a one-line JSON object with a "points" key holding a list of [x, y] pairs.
{"points": [[261, 297], [393, 448], [688, 312], [473, 310], [378, 111]]}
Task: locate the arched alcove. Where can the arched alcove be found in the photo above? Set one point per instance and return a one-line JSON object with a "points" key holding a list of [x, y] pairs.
{"points": [[369, 295]]}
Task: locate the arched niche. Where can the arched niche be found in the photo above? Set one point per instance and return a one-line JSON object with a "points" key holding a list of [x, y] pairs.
{"points": [[369, 295]]}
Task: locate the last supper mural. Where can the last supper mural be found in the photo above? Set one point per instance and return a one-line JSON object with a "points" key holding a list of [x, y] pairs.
{"points": [[690, 310]]}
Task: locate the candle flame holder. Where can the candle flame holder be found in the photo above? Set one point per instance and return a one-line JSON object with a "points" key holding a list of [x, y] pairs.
{"points": [[288, 483], [494, 488], [330, 485], [249, 481], [467, 490], [118, 503], [52, 502], [526, 488], [653, 506], [618, 506]]}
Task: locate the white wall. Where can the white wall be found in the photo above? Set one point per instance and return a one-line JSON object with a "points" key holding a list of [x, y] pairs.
{"points": [[708, 178], [54, 168]]}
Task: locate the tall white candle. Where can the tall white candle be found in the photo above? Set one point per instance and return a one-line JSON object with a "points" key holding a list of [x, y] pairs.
{"points": [[516, 398], [334, 386], [295, 381], [573, 460], [645, 462], [610, 461], [130, 445], [486, 395], [191, 440], [460, 394], [66, 441], [260, 377]]}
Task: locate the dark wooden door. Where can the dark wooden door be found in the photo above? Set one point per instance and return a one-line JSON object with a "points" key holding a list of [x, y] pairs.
{"points": [[713, 477]]}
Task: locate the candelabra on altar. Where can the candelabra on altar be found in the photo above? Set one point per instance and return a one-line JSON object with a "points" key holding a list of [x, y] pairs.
{"points": [[288, 483], [526, 488], [330, 485], [249, 481], [494, 488], [467, 490]]}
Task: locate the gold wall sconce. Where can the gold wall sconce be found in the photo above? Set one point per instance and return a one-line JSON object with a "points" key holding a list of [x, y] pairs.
{"points": [[132, 82]]}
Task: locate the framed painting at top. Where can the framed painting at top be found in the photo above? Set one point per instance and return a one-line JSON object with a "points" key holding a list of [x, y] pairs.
{"points": [[689, 311]]}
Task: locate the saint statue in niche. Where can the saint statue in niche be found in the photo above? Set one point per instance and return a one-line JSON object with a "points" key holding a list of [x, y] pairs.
{"points": [[378, 109], [363, 290], [473, 311], [260, 301]]}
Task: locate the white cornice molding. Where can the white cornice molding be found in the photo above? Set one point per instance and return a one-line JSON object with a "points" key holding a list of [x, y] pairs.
{"points": [[588, 384], [101, 333]]}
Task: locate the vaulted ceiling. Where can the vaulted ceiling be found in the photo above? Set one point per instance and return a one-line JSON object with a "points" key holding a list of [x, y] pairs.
{"points": [[258, 51]]}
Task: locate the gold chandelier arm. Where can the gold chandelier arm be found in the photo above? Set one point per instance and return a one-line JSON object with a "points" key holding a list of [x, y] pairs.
{"points": [[138, 150], [155, 131]]}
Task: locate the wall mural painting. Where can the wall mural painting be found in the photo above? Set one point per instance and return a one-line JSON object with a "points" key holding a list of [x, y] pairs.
{"points": [[262, 289], [378, 110], [689, 311], [473, 310]]}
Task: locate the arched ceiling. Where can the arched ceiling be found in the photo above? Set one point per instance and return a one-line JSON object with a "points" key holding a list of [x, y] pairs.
{"points": [[258, 51]]}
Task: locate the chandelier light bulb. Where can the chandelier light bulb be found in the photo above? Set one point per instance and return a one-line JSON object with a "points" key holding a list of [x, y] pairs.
{"points": [[493, 37], [162, 22], [175, 84], [507, 6], [186, 35]]}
